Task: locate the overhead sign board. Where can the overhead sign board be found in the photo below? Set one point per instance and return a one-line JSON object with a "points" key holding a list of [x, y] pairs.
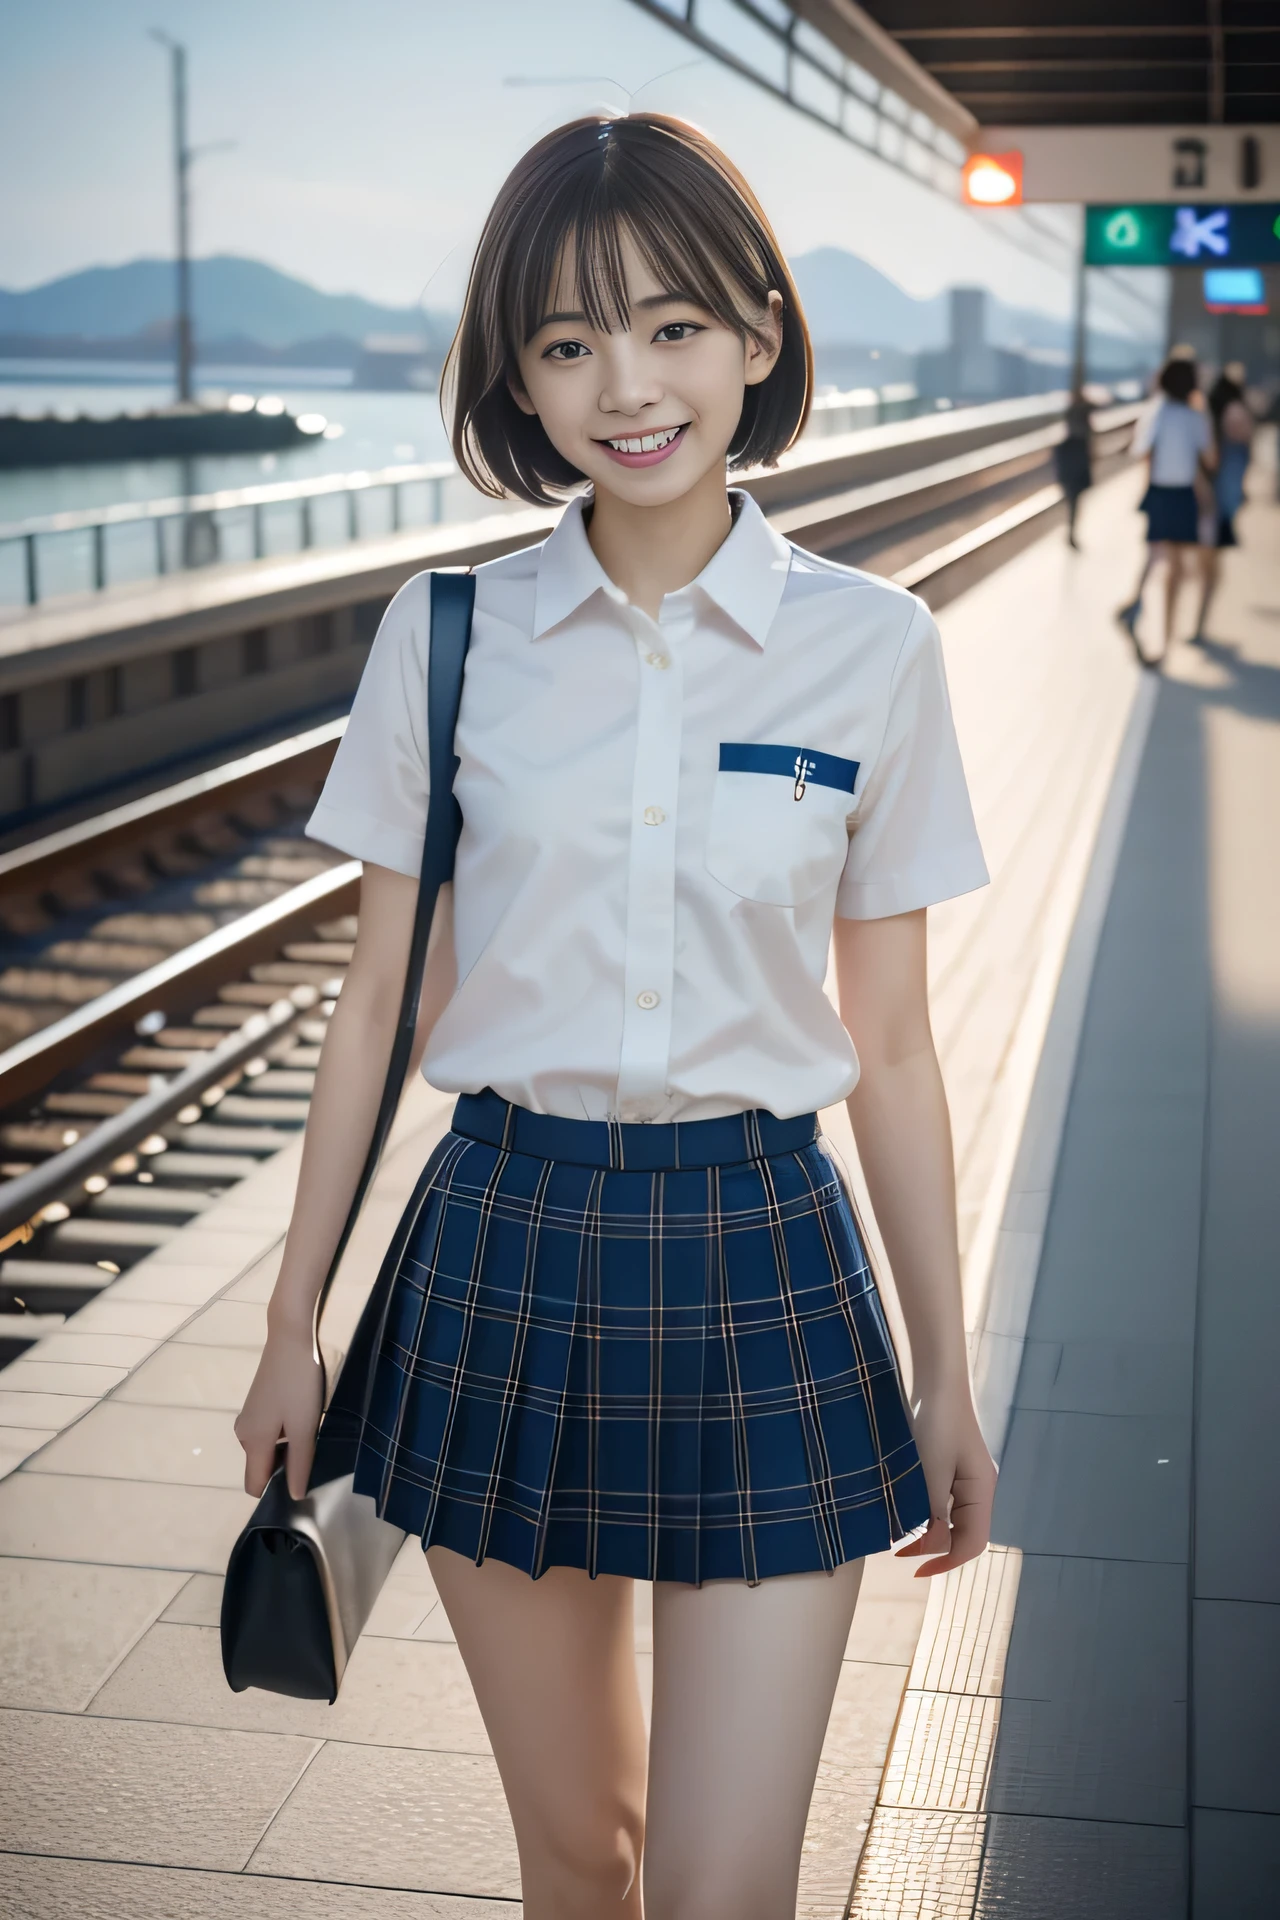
{"points": [[1150, 234], [1178, 164]]}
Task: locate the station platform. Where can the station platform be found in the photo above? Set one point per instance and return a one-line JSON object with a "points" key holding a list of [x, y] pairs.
{"points": [[1081, 1722]]}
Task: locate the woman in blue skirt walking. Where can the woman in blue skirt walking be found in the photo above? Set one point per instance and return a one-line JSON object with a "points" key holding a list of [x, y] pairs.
{"points": [[635, 1335]]}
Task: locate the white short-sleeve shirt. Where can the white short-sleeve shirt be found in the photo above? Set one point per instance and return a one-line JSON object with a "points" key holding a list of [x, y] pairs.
{"points": [[1176, 436], [661, 819]]}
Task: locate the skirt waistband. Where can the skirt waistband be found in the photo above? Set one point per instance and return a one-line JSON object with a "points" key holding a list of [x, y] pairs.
{"points": [[623, 1146]]}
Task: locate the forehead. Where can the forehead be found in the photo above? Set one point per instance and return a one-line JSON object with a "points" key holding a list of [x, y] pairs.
{"points": [[637, 279]]}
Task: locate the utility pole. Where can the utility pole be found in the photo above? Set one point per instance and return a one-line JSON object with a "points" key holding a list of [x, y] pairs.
{"points": [[182, 155], [1080, 340]]}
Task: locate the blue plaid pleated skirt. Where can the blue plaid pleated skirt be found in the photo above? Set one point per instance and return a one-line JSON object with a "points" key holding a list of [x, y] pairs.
{"points": [[655, 1351]]}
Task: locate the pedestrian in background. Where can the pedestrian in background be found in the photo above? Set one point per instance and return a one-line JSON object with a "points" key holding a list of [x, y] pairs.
{"points": [[1233, 425], [1177, 439], [1073, 457]]}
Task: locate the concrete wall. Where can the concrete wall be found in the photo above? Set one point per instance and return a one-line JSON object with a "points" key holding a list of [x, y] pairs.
{"points": [[85, 733]]}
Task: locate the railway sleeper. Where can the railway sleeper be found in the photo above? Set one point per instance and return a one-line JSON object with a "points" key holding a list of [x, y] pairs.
{"points": [[123, 1241], [50, 1286], [149, 1204]]}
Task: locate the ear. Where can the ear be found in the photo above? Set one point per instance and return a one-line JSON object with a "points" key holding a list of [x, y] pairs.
{"points": [[521, 398], [761, 360]]}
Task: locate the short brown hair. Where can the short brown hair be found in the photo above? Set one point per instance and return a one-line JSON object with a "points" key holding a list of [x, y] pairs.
{"points": [[700, 229]]}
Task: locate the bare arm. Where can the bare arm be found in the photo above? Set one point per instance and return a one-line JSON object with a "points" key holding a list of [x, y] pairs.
{"points": [[284, 1399], [900, 1122]]}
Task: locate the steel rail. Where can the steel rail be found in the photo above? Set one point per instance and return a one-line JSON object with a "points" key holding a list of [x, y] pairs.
{"points": [[176, 981], [33, 865], [23, 1200]]}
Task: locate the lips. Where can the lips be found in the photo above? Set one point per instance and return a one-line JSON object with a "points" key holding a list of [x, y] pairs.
{"points": [[644, 449]]}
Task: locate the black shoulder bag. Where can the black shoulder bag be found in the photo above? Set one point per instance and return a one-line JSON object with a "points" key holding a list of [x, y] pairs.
{"points": [[304, 1574]]}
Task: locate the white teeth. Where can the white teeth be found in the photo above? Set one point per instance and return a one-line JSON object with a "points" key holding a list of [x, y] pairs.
{"points": [[646, 442]]}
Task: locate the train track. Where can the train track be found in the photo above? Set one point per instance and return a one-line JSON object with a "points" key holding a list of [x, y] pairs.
{"points": [[167, 973], [167, 970]]}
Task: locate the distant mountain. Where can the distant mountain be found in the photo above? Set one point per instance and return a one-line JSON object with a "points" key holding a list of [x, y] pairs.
{"points": [[850, 304], [231, 296]]}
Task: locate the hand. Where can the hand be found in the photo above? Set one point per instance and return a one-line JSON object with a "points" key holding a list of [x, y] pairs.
{"points": [[284, 1403], [961, 1478]]}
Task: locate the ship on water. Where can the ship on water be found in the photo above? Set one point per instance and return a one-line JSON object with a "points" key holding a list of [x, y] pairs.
{"points": [[185, 430]]}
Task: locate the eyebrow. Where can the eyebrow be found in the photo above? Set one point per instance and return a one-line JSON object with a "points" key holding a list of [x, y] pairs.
{"points": [[646, 305]]}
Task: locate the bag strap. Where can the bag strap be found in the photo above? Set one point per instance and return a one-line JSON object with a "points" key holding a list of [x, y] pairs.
{"points": [[452, 600]]}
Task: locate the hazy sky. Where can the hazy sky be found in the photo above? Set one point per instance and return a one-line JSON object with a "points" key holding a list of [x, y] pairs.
{"points": [[370, 136]]}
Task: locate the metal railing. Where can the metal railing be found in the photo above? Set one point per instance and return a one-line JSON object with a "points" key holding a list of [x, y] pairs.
{"points": [[865, 407], [194, 529]]}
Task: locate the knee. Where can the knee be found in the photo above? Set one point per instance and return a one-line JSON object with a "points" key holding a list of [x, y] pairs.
{"points": [[587, 1868]]}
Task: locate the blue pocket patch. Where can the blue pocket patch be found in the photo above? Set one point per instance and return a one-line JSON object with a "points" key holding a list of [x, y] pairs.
{"points": [[805, 765]]}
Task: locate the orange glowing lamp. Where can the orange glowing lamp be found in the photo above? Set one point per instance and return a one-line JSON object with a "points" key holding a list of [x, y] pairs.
{"points": [[992, 180]]}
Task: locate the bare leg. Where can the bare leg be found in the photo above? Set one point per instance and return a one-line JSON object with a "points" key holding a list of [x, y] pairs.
{"points": [[1172, 582], [1152, 555], [1073, 507], [1210, 563], [743, 1679], [1128, 614], [553, 1665]]}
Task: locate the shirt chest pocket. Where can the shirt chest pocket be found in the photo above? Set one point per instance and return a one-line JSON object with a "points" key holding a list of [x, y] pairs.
{"points": [[779, 821]]}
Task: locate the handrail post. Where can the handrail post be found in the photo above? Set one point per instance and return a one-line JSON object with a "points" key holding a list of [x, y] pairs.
{"points": [[305, 505], [395, 506], [99, 556], [353, 514], [437, 499], [259, 541], [162, 561], [33, 576]]}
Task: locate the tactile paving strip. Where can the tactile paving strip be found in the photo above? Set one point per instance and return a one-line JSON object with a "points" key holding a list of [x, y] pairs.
{"points": [[919, 1865], [966, 1629], [941, 1754], [923, 1855]]}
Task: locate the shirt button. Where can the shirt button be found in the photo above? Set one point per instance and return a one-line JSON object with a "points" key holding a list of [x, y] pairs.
{"points": [[647, 999], [654, 816], [657, 660]]}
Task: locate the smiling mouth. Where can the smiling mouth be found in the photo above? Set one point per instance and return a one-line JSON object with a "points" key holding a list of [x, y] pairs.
{"points": [[643, 449]]}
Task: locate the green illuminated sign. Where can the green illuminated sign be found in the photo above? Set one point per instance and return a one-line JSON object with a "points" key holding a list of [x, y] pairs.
{"points": [[1243, 233]]}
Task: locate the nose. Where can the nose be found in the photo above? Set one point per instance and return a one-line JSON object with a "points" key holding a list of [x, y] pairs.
{"points": [[631, 382]]}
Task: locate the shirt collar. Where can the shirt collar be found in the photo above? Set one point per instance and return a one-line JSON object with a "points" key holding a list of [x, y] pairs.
{"points": [[747, 574], [745, 577], [568, 572]]}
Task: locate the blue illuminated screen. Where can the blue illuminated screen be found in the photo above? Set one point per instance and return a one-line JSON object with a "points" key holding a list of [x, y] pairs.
{"points": [[1233, 287]]}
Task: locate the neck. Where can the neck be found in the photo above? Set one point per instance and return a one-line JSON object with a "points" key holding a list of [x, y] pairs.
{"points": [[650, 551]]}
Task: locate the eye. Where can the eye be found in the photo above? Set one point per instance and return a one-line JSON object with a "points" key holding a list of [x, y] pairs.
{"points": [[566, 350], [677, 330]]}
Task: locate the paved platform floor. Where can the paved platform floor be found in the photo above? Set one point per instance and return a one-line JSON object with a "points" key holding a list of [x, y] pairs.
{"points": [[132, 1781], [1142, 1694]]}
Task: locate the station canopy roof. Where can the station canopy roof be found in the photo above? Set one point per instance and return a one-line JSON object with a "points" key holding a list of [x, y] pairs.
{"points": [[1016, 63]]}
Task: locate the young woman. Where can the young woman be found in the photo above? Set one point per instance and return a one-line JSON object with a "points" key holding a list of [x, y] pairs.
{"points": [[635, 1336], [1233, 434], [1177, 439]]}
